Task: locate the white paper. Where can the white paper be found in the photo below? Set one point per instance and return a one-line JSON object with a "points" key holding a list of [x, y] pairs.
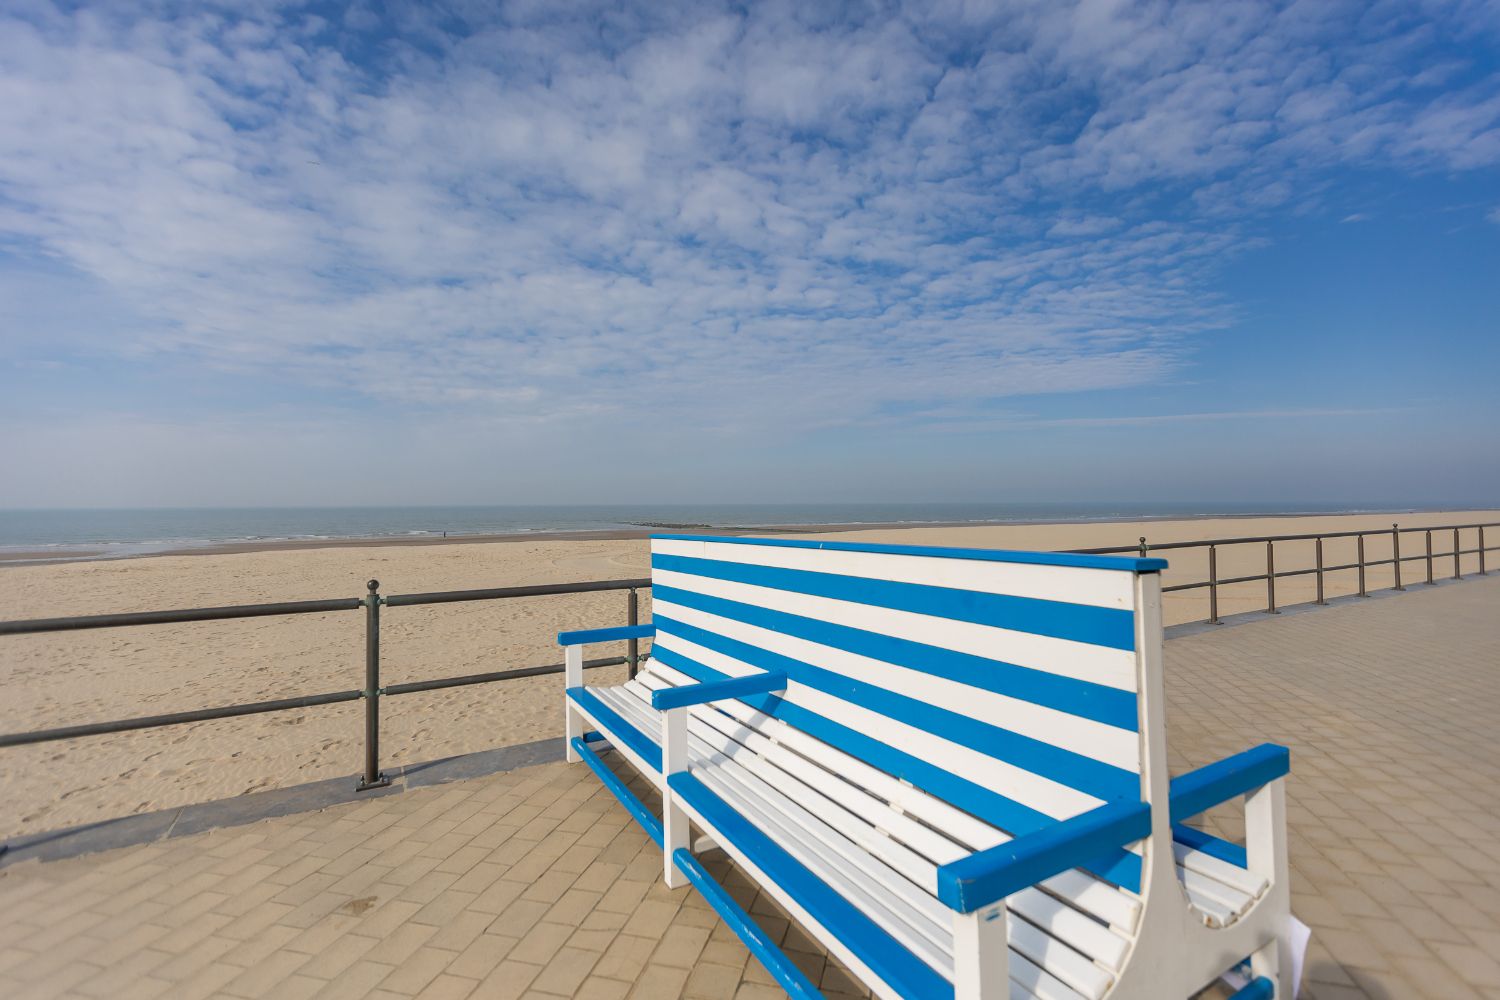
{"points": [[1293, 953]]}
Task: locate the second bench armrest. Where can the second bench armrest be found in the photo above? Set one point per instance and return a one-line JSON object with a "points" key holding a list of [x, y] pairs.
{"points": [[735, 687], [1199, 791], [606, 634], [988, 876]]}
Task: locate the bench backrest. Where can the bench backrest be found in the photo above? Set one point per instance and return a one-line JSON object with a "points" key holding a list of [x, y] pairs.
{"points": [[1006, 683]]}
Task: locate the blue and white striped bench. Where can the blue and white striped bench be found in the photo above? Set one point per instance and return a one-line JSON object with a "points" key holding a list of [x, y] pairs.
{"points": [[948, 765]]}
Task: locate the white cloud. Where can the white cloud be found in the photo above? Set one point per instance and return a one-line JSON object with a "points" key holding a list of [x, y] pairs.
{"points": [[710, 209]]}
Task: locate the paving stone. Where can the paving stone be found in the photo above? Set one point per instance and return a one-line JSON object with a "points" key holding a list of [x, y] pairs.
{"points": [[533, 882]]}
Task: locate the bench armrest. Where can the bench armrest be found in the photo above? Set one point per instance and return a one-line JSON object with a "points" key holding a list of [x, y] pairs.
{"points": [[987, 877], [606, 634], [735, 687], [1199, 791]]}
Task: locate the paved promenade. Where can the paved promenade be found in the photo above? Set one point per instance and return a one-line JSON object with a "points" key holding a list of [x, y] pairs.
{"points": [[533, 883]]}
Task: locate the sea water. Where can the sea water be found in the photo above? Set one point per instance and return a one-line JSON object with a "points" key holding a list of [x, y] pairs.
{"points": [[92, 533]]}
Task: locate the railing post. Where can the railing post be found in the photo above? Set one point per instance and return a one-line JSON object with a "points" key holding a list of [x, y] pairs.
{"points": [[1213, 585], [1456, 573], [1361, 540], [372, 778], [1481, 550], [1143, 546], [1271, 578], [634, 645], [1429, 556], [1318, 549], [1396, 553]]}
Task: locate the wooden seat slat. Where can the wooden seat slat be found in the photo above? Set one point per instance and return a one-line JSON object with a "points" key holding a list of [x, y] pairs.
{"points": [[1215, 868], [931, 844], [1110, 904], [1100, 900], [1053, 911], [942, 816], [1090, 937], [830, 854]]}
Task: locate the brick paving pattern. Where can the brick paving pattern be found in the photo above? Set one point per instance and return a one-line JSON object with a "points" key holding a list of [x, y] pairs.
{"points": [[534, 883]]}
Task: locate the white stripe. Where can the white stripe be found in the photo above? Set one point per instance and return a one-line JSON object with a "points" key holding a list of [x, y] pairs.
{"points": [[1049, 797], [1099, 588], [1064, 657], [1071, 732]]}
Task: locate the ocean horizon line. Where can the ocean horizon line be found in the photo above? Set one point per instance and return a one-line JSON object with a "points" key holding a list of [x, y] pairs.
{"points": [[55, 535]]}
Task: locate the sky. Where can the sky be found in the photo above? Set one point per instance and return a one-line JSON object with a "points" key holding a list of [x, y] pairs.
{"points": [[540, 252]]}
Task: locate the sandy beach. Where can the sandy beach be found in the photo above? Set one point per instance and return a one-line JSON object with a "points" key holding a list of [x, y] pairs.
{"points": [[76, 677]]}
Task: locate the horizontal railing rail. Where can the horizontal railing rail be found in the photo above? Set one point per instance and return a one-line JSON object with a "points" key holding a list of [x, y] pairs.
{"points": [[74, 623], [371, 693], [1361, 565]]}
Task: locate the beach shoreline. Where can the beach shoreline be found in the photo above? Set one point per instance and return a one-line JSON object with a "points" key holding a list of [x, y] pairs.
{"points": [[43, 557]]}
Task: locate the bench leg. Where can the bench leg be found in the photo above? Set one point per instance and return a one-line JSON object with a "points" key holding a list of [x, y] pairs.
{"points": [[572, 721], [1266, 855], [675, 828], [981, 955]]}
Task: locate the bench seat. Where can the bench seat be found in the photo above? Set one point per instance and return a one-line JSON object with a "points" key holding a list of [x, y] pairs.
{"points": [[947, 765], [877, 842]]}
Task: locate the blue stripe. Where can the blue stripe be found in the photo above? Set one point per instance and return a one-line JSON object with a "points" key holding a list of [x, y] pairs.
{"points": [[987, 877], [888, 958], [605, 634], [781, 968], [1119, 563], [628, 799], [1259, 988], [698, 694], [618, 729], [1095, 777], [1214, 847], [1112, 627], [1098, 702], [1121, 867], [1199, 791]]}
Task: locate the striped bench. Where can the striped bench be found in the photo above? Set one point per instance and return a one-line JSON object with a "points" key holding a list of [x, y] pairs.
{"points": [[948, 765]]}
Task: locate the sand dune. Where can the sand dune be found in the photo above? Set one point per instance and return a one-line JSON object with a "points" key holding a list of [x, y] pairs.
{"points": [[69, 678]]}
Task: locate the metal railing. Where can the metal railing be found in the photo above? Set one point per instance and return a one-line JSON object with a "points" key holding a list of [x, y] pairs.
{"points": [[1361, 565], [371, 693]]}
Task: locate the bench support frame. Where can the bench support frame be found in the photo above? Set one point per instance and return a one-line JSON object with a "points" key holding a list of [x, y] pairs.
{"points": [[676, 833], [981, 953]]}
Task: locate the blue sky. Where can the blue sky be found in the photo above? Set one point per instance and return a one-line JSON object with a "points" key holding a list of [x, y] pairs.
{"points": [[532, 252]]}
